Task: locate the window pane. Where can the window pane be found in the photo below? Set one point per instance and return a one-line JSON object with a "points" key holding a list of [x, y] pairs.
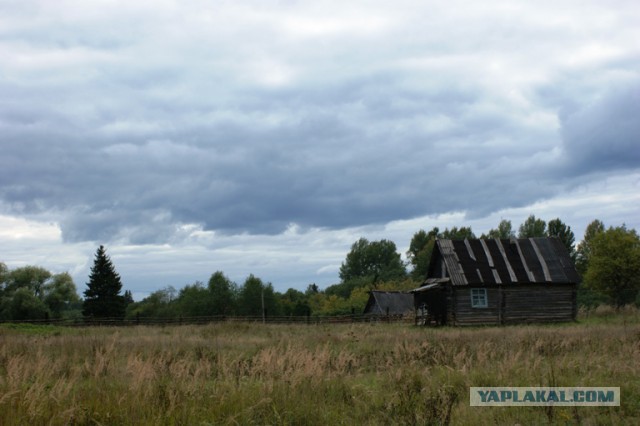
{"points": [[479, 298]]}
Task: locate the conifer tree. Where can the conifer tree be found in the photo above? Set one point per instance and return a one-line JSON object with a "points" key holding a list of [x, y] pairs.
{"points": [[102, 297]]}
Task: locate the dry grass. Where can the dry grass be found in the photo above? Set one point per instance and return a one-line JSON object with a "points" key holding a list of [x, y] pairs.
{"points": [[279, 374]]}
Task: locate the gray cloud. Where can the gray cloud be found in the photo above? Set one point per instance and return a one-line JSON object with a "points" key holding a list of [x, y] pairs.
{"points": [[605, 135], [248, 119]]}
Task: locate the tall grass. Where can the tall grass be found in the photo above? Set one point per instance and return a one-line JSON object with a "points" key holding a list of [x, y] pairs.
{"points": [[310, 374]]}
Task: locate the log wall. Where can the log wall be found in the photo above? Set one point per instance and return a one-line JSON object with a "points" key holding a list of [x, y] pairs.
{"points": [[516, 304]]}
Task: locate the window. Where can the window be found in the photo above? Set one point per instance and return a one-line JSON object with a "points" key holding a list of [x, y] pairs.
{"points": [[479, 298]]}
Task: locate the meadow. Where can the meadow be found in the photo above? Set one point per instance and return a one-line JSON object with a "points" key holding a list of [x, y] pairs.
{"points": [[253, 373]]}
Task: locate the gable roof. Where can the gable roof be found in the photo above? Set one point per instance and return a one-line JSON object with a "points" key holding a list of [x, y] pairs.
{"points": [[505, 261], [397, 302]]}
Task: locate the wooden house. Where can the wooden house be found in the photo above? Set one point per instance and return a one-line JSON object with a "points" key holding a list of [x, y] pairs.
{"points": [[498, 281], [389, 304]]}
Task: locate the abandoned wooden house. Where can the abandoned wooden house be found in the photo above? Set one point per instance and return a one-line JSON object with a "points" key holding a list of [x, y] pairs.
{"points": [[496, 281], [389, 304]]}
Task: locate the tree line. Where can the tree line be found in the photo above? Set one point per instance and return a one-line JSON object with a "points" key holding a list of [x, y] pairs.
{"points": [[608, 260], [32, 292]]}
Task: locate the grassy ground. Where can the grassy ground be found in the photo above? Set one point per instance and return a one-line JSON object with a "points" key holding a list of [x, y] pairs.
{"points": [[310, 374]]}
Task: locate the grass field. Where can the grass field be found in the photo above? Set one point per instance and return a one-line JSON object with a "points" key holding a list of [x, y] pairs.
{"points": [[312, 374]]}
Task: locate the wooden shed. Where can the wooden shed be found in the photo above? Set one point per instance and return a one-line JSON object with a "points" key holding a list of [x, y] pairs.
{"points": [[498, 281], [389, 304]]}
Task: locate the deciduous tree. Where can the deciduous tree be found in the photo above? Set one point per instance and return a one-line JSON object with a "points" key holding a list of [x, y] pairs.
{"points": [[456, 233], [24, 305], [422, 243], [223, 294], [504, 231], [30, 277], [419, 253], [532, 227], [251, 296], [583, 251], [557, 228], [614, 265], [376, 261], [295, 303], [32, 292], [194, 300], [60, 294], [4, 275], [159, 304]]}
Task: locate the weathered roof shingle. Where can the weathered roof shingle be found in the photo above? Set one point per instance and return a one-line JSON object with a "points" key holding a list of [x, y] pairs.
{"points": [[505, 261]]}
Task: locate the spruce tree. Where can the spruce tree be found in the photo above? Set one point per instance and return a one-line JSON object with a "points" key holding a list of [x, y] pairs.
{"points": [[102, 297]]}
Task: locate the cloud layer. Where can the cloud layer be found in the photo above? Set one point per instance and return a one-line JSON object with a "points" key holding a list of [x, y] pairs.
{"points": [[137, 122]]}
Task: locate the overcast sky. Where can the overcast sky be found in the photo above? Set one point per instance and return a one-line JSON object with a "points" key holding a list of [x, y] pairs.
{"points": [[266, 137]]}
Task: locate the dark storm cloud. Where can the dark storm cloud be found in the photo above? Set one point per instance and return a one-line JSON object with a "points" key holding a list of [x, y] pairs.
{"points": [[368, 160], [175, 117], [605, 134], [318, 172]]}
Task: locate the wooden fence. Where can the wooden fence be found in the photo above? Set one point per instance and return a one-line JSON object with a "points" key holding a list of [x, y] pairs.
{"points": [[309, 320]]}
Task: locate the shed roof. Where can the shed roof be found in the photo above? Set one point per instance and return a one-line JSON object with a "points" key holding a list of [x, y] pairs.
{"points": [[396, 302], [431, 284], [506, 261]]}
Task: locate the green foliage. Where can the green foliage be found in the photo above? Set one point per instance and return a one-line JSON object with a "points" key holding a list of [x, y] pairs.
{"points": [[419, 253], [33, 293], [333, 301], [614, 265], [399, 285], [223, 294], [557, 228], [128, 297], [344, 289], [157, 305], [589, 298], [30, 329], [24, 305], [295, 303], [583, 251], [102, 298], [29, 277], [194, 300], [252, 295], [532, 228], [456, 233], [422, 244], [375, 261], [311, 289], [60, 294], [330, 304], [503, 232], [4, 274], [366, 266]]}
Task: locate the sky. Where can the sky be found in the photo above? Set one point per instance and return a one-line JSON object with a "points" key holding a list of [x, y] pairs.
{"points": [[266, 137]]}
